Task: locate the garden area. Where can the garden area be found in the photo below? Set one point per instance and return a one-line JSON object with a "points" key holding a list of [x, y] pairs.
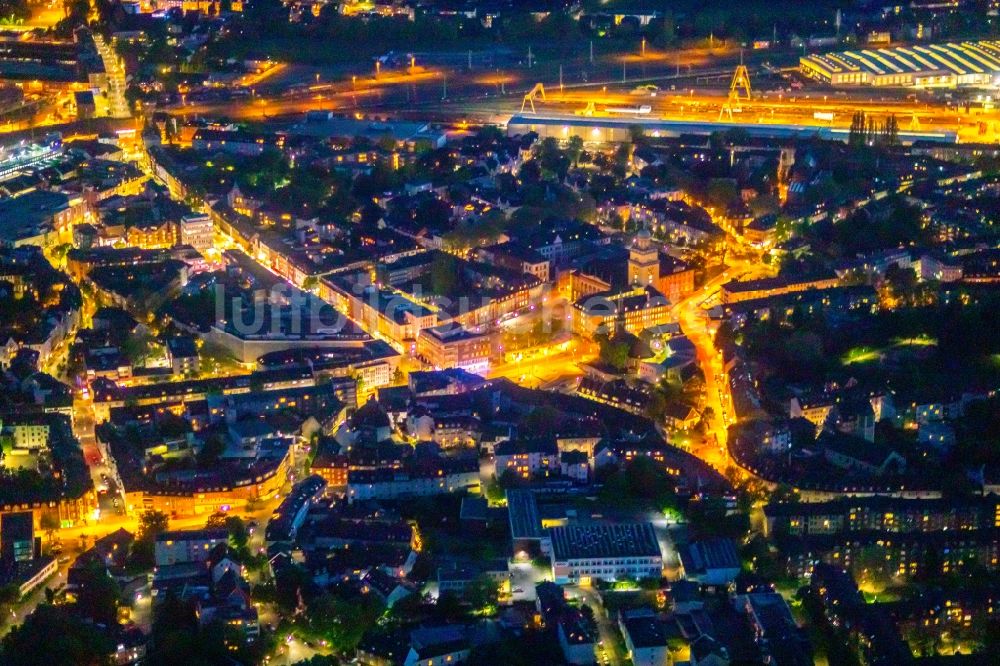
{"points": [[923, 353]]}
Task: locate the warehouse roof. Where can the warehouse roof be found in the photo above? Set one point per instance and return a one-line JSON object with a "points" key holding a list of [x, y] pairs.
{"points": [[953, 58], [574, 542], [525, 521]]}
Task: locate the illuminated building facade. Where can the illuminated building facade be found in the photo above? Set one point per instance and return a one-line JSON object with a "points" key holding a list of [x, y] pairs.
{"points": [[952, 65], [455, 476], [884, 514], [633, 310], [527, 458], [454, 347], [735, 291], [605, 551], [643, 261], [197, 231]]}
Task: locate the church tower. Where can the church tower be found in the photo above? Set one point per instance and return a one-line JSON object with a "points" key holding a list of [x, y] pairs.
{"points": [[643, 261]]}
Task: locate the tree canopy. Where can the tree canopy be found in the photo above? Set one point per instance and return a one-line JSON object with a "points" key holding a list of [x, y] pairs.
{"points": [[53, 635]]}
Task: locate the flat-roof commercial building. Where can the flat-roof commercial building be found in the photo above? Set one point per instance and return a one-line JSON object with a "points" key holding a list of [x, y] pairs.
{"points": [[596, 129], [952, 65], [710, 562], [17, 537], [45, 60], [40, 218], [382, 313], [525, 521], [606, 551], [450, 346]]}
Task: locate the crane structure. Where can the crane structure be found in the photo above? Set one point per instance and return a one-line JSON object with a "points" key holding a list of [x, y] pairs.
{"points": [[532, 95], [588, 110], [739, 87]]}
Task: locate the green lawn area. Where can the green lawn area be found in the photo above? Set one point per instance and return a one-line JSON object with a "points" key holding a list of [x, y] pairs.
{"points": [[216, 360], [861, 355], [864, 354]]}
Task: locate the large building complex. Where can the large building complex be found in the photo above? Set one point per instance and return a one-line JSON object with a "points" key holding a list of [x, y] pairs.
{"points": [[454, 347], [608, 551], [634, 310], [952, 65]]}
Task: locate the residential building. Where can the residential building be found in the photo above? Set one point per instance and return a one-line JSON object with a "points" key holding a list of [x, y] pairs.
{"points": [[152, 234], [291, 513], [676, 278], [577, 634], [388, 589], [526, 458], [775, 632], [856, 453], [329, 463], [814, 408], [180, 547], [41, 218], [903, 554], [381, 312], [575, 465], [27, 431], [645, 638], [230, 139], [887, 515], [182, 353], [429, 648], [735, 291], [516, 256], [680, 416], [450, 476]]}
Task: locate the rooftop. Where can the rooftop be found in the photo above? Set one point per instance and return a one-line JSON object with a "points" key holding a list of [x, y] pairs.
{"points": [[646, 631], [525, 521], [604, 540], [193, 535], [952, 58], [28, 215], [702, 556]]}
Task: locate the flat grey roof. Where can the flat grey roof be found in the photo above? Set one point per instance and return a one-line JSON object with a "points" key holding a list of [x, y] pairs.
{"points": [[667, 128], [525, 521], [596, 540]]}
